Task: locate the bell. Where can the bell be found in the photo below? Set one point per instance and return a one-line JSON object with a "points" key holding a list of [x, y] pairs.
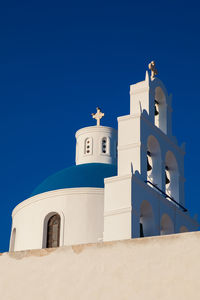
{"points": [[156, 111], [167, 181], [156, 108], [148, 153], [149, 167]]}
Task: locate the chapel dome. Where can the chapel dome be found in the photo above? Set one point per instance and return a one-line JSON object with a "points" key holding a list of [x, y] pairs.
{"points": [[84, 175]]}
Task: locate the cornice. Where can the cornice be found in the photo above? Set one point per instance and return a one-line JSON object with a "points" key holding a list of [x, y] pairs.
{"points": [[130, 146], [117, 211], [56, 193], [128, 117], [117, 178], [92, 129]]}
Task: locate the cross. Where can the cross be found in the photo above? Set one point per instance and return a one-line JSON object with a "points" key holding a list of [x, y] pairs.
{"points": [[98, 116], [152, 67]]}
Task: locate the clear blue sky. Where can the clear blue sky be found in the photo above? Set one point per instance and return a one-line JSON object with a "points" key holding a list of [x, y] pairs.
{"points": [[60, 59]]}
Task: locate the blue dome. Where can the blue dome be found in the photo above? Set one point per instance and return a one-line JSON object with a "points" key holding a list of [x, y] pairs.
{"points": [[85, 175]]}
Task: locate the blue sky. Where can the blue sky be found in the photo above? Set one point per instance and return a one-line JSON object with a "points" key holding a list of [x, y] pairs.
{"points": [[60, 59]]}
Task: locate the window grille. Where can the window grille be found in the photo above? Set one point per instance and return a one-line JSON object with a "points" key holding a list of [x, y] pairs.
{"points": [[53, 231]]}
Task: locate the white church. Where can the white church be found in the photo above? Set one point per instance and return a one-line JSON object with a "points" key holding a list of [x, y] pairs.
{"points": [[126, 183]]}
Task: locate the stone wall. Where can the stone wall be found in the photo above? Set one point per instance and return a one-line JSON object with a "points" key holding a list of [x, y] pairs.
{"points": [[163, 267]]}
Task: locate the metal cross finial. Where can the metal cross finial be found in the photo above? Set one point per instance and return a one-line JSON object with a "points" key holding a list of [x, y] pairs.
{"points": [[152, 67], [98, 116]]}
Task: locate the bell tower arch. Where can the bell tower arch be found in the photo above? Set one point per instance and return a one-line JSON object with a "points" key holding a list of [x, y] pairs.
{"points": [[150, 164]]}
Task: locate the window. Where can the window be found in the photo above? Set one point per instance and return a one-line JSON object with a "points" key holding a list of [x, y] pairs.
{"points": [[88, 146], [12, 244], [53, 231], [104, 145]]}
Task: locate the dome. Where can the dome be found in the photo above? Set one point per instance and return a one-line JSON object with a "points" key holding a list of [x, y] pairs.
{"points": [[85, 175]]}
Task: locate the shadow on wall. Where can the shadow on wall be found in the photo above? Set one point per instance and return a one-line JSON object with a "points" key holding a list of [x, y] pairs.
{"points": [[147, 222], [166, 225], [12, 243]]}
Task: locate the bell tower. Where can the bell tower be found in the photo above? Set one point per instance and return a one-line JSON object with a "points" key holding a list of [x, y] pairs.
{"points": [[149, 188]]}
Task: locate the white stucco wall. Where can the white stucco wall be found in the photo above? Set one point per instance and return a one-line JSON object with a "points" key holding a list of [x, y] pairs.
{"points": [[80, 210], [95, 134], [124, 198], [165, 267], [142, 135]]}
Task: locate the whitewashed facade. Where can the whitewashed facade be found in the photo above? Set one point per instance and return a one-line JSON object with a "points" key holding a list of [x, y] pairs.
{"points": [[143, 197]]}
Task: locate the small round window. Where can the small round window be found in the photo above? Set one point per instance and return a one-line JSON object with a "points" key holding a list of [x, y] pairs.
{"points": [[104, 145], [88, 146]]}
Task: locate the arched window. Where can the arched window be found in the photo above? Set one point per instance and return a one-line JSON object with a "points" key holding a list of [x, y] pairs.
{"points": [[166, 225], [88, 146], [183, 229], [154, 161], [105, 145], [160, 109], [53, 231], [146, 220], [13, 237], [171, 176]]}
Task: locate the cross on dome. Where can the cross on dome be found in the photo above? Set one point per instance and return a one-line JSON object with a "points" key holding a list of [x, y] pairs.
{"points": [[98, 116], [152, 67]]}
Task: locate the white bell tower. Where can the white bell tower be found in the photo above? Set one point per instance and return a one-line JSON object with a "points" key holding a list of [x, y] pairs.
{"points": [[147, 196]]}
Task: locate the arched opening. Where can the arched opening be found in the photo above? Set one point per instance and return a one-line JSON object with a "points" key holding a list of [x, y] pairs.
{"points": [[105, 145], [160, 109], [88, 146], [147, 225], [52, 236], [154, 162], [13, 237], [171, 176], [183, 229], [166, 225]]}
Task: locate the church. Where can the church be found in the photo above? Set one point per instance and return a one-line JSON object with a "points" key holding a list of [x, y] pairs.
{"points": [[126, 183]]}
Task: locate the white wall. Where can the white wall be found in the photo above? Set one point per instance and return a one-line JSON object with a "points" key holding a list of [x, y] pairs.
{"points": [[80, 209], [96, 134], [139, 133], [118, 208], [165, 268], [124, 197]]}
